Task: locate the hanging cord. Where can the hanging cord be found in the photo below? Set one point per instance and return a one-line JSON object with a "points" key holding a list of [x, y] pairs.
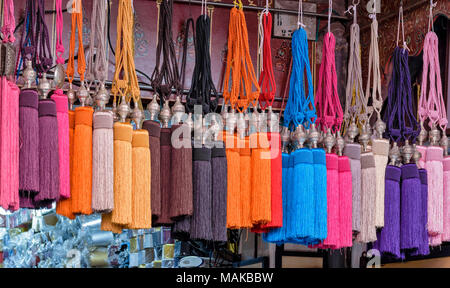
{"points": [[373, 89], [98, 69], [202, 85], [286, 87], [189, 23], [27, 44], [128, 39], [432, 106], [165, 76], [59, 51], [77, 24], [355, 104], [401, 22], [44, 57], [9, 22], [266, 78]]}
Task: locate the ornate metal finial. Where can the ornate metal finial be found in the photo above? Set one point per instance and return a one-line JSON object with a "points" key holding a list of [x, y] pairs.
{"points": [[340, 143], [115, 113], [241, 125], [254, 122], [29, 74], [394, 154], [407, 152], [82, 94], [364, 138], [44, 86], [298, 137], [285, 137], [165, 114], [138, 117], [215, 128], [329, 141], [423, 134], [444, 144], [59, 76], [369, 130], [189, 121], [102, 97], [178, 110], [380, 127], [313, 136], [416, 155], [71, 96], [224, 113], [435, 135], [352, 131], [272, 120], [153, 108], [231, 121], [9, 65], [123, 110]]}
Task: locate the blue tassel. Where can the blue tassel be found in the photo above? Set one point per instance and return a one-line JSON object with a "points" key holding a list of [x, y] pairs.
{"points": [[320, 184]]}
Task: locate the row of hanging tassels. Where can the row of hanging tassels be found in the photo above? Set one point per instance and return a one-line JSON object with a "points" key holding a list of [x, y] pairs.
{"points": [[279, 184]]}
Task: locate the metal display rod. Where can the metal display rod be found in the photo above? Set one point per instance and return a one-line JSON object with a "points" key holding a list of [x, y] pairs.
{"points": [[256, 8]]}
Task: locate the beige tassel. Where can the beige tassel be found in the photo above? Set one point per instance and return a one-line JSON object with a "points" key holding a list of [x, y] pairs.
{"points": [[380, 149]]}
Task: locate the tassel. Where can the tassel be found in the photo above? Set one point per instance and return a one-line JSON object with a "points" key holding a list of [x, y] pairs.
{"points": [[108, 225], [368, 194], [82, 161], [260, 179], [123, 167], [181, 175], [64, 206], [245, 182], [410, 205], [446, 166], [154, 132], [278, 235], [320, 187], [48, 154], [333, 223], [353, 152], [345, 202], [165, 162], [219, 192], [201, 220], [424, 248], [141, 189], [29, 147], [389, 237], [233, 181], [9, 145], [63, 143], [182, 229], [435, 176], [380, 149], [103, 163]]}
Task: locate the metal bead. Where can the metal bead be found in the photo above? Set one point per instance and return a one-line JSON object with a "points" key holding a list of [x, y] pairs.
{"points": [[352, 131], [138, 116], [313, 135], [364, 138], [178, 110], [123, 110], [299, 137], [416, 155], [329, 141], [82, 94], [44, 86], [285, 139], [215, 127], [272, 120], [59, 76], [189, 121], [115, 113], [71, 97], [394, 154], [340, 143], [444, 144], [380, 127], [241, 125], [165, 115], [407, 152], [153, 108], [102, 97], [231, 122], [435, 135], [29, 74], [423, 134]]}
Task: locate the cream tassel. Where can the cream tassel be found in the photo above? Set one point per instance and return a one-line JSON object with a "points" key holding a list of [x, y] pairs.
{"points": [[380, 149]]}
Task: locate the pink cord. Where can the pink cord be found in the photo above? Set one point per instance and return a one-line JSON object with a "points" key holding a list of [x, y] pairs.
{"points": [[9, 22], [329, 109], [59, 30], [433, 106]]}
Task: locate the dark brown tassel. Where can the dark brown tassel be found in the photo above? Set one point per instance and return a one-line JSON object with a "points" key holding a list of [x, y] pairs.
{"points": [[219, 193], [165, 177], [154, 133]]}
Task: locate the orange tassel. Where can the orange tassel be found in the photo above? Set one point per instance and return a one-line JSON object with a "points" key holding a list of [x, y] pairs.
{"points": [[142, 212], [108, 225], [245, 182], [233, 181], [64, 206], [261, 182], [123, 134], [82, 161]]}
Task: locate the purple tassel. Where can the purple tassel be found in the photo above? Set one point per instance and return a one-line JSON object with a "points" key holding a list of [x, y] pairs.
{"points": [[48, 154], [219, 193], [29, 147], [202, 184], [411, 204], [389, 237]]}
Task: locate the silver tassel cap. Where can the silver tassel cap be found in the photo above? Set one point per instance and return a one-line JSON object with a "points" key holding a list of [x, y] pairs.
{"points": [[230, 123], [444, 144], [102, 97], [364, 138], [285, 139], [313, 136], [71, 96], [44, 86], [153, 108], [435, 135], [352, 131], [82, 94], [178, 110], [329, 141], [165, 114], [416, 155], [241, 125], [59, 76], [138, 117], [340, 143], [380, 127], [29, 75], [422, 137], [407, 152], [298, 137], [123, 110], [394, 154]]}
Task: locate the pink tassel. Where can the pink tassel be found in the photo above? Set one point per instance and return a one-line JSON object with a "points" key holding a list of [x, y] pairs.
{"points": [[63, 138], [345, 202], [332, 240], [434, 168], [9, 145], [446, 233]]}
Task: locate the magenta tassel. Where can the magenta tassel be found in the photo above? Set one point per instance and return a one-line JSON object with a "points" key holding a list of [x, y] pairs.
{"points": [[345, 202], [333, 223]]}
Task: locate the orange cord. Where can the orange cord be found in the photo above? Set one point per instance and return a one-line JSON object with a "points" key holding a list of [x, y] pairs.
{"points": [[77, 23]]}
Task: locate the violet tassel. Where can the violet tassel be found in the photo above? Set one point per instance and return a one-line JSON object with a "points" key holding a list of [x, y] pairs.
{"points": [[219, 192]]}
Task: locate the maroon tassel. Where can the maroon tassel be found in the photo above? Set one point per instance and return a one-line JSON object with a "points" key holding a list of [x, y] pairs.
{"points": [[154, 133], [165, 177], [219, 193]]}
